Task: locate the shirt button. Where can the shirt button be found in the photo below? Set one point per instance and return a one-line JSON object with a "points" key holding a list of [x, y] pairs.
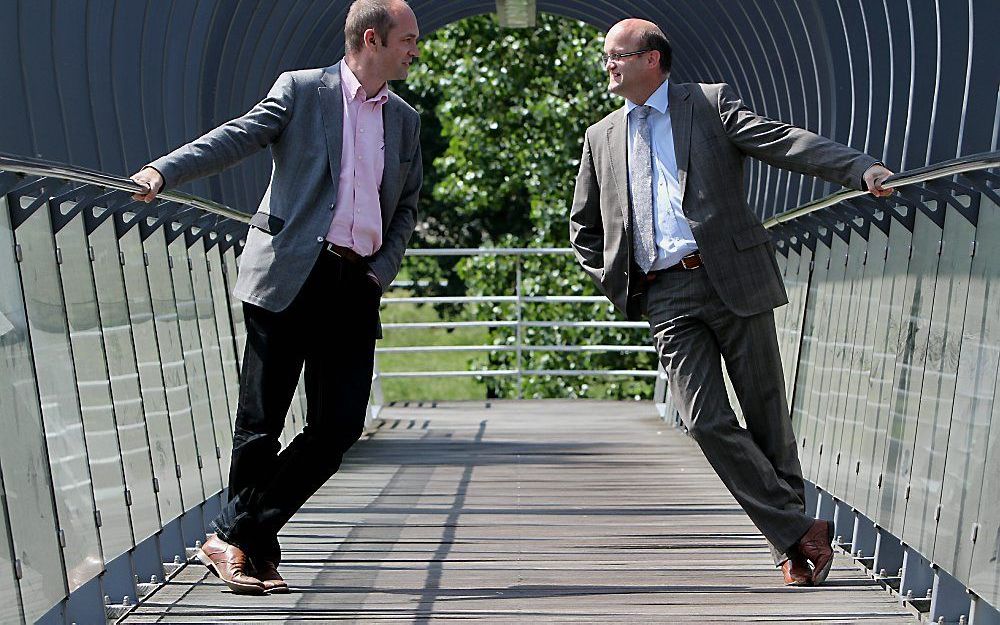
{"points": [[362, 131]]}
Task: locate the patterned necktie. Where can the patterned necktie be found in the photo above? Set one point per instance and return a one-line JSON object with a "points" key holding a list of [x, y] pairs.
{"points": [[640, 172]]}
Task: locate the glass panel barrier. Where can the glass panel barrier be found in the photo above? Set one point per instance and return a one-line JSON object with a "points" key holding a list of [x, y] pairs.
{"points": [[937, 392], [152, 387], [194, 366], [911, 352], [60, 404], [209, 336], [24, 460], [94, 386], [846, 407], [973, 416], [168, 337], [129, 409], [886, 340]]}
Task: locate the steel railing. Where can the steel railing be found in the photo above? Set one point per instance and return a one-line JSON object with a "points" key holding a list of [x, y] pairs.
{"points": [[519, 322]]}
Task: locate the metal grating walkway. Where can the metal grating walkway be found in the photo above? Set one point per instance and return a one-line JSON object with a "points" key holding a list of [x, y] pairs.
{"points": [[530, 511]]}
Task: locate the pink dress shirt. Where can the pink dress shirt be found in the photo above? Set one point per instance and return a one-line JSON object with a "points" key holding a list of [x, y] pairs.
{"points": [[357, 218]]}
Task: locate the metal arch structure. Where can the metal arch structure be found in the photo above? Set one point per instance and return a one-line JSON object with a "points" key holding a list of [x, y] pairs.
{"points": [[109, 85]]}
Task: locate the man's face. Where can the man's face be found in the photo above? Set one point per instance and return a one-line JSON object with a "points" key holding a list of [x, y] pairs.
{"points": [[624, 75], [400, 48]]}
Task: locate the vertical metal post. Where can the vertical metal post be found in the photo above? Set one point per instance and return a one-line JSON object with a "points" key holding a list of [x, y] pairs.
{"points": [[519, 330], [376, 399]]}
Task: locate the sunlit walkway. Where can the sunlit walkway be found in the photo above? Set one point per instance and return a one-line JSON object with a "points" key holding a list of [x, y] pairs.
{"points": [[526, 512]]}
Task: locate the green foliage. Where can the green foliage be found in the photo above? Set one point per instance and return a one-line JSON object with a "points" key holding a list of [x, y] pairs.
{"points": [[503, 116]]}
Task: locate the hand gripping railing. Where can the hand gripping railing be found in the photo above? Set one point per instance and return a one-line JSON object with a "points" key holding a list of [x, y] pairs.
{"points": [[36, 167], [946, 169]]}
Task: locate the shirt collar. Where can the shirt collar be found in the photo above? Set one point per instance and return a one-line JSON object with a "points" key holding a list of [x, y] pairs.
{"points": [[352, 86], [658, 100]]}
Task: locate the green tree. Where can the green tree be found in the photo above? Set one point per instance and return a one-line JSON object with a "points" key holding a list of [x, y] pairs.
{"points": [[504, 112]]}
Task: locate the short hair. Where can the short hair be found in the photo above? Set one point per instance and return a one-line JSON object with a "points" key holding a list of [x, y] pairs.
{"points": [[654, 39], [365, 14]]}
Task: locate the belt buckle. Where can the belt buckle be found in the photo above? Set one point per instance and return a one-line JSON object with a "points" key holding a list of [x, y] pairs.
{"points": [[693, 260]]}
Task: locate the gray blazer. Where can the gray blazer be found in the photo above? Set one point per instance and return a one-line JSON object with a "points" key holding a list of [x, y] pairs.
{"points": [[301, 120], [713, 133]]}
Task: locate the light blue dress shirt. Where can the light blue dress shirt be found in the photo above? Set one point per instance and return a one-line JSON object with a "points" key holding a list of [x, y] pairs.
{"points": [[671, 231]]}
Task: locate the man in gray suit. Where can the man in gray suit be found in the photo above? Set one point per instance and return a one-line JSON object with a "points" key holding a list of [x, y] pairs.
{"points": [[328, 236], [660, 222]]}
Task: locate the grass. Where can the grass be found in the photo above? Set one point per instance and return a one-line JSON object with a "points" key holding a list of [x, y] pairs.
{"points": [[427, 388]]}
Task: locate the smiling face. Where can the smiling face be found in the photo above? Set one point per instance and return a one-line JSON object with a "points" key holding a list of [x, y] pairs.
{"points": [[634, 77], [398, 51]]}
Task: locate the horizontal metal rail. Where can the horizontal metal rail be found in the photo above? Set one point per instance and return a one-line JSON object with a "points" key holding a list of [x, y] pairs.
{"points": [[498, 299], [423, 325], [639, 325], [37, 167], [626, 373], [965, 164], [490, 251], [458, 299], [510, 348]]}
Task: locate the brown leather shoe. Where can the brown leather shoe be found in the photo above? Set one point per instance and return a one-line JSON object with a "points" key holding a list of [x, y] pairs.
{"points": [[267, 572], [796, 571], [230, 564], [815, 545]]}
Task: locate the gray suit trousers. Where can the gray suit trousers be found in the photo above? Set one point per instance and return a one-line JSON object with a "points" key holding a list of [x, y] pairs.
{"points": [[759, 465]]}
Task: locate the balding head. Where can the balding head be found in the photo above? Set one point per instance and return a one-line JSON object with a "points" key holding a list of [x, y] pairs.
{"points": [[644, 34], [639, 59]]}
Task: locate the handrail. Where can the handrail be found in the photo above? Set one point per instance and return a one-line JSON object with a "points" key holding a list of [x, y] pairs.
{"points": [[39, 167], [973, 162], [487, 251]]}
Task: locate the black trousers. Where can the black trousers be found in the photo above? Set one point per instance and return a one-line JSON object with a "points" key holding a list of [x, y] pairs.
{"points": [[330, 328]]}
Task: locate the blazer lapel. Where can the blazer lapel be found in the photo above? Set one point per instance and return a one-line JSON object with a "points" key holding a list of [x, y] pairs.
{"points": [[618, 147], [392, 128], [331, 99], [680, 122]]}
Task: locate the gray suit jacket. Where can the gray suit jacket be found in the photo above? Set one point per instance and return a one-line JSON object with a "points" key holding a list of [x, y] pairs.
{"points": [[301, 120], [714, 132]]}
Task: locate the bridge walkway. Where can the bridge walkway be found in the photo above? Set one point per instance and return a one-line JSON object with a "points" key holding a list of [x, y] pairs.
{"points": [[526, 511]]}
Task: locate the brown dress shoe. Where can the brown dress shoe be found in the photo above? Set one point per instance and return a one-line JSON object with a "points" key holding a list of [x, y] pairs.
{"points": [[230, 564], [796, 571], [815, 545], [267, 572]]}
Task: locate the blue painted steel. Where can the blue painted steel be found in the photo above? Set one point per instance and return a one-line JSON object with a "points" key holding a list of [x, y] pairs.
{"points": [[913, 83]]}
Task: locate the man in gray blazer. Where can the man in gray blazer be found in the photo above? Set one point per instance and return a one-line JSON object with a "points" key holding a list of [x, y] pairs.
{"points": [[328, 236], [660, 222]]}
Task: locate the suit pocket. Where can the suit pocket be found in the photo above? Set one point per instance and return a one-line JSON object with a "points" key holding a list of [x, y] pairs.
{"points": [[404, 168], [751, 237], [267, 223]]}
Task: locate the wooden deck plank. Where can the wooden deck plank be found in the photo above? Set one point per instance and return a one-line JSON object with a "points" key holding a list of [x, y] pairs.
{"points": [[527, 511]]}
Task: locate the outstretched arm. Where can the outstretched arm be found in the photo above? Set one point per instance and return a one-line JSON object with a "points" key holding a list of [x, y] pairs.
{"points": [[793, 148], [223, 146]]}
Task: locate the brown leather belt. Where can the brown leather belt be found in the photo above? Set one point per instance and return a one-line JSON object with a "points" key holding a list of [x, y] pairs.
{"points": [[343, 252], [689, 262]]}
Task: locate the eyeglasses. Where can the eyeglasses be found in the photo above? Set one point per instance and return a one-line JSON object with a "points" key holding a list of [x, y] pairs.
{"points": [[617, 57]]}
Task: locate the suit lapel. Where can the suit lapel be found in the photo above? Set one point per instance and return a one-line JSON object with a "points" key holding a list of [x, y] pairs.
{"points": [[618, 147], [331, 99], [680, 122], [392, 127]]}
